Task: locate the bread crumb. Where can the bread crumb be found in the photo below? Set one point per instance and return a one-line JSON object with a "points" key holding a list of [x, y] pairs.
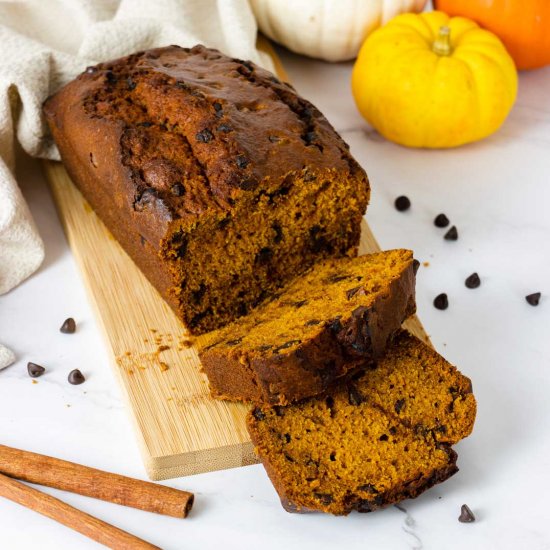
{"points": [[163, 366], [35, 381], [426, 264]]}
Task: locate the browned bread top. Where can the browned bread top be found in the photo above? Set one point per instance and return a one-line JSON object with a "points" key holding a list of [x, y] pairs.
{"points": [[199, 129]]}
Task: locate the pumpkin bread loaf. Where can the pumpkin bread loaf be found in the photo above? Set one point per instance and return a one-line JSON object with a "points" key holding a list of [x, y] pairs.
{"points": [[341, 313], [218, 180], [378, 437]]}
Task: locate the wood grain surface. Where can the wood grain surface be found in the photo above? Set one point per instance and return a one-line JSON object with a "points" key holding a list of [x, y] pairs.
{"points": [[180, 428]]}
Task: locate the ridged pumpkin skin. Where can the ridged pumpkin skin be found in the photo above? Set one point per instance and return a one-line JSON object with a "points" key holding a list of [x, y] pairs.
{"points": [[419, 98], [523, 26]]}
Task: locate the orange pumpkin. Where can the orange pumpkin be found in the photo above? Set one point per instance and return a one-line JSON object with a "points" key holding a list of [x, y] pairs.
{"points": [[523, 25]]}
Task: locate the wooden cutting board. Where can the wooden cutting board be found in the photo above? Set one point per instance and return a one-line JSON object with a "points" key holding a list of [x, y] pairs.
{"points": [[180, 428]]}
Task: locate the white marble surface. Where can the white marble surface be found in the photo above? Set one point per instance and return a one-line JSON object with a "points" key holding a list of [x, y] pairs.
{"points": [[497, 192]]}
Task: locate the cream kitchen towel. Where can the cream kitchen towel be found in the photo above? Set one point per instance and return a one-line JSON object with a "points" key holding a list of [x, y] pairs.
{"points": [[46, 43]]}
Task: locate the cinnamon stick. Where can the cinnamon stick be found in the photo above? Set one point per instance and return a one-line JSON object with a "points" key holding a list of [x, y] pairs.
{"points": [[60, 511], [69, 476]]}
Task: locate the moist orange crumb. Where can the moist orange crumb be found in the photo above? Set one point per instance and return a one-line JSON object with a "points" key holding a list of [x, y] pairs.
{"points": [[382, 435]]}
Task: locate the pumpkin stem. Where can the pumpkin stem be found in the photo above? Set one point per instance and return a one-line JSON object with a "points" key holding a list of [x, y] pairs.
{"points": [[442, 44]]}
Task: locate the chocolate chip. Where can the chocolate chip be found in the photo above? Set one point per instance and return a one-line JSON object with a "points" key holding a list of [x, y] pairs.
{"points": [[466, 515], [218, 108], [399, 404], [473, 281], [287, 438], [310, 137], [452, 234], [224, 128], [336, 278], [204, 136], [355, 397], [335, 325], [288, 457], [234, 342], [145, 124], [177, 190], [441, 301], [274, 79], [533, 299], [242, 161], [264, 255], [76, 377], [35, 370], [383, 437], [368, 488], [352, 292], [312, 322], [258, 414], [299, 304], [287, 345], [416, 265], [278, 233], [402, 203], [441, 220], [111, 78], [68, 326], [264, 347], [324, 498], [131, 84], [248, 65]]}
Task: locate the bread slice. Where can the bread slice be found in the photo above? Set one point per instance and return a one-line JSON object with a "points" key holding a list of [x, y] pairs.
{"points": [[379, 437], [337, 315]]}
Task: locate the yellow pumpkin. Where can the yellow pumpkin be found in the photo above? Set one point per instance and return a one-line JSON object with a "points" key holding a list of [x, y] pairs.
{"points": [[429, 80]]}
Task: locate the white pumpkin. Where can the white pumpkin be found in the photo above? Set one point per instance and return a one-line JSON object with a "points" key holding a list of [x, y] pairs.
{"points": [[332, 30]]}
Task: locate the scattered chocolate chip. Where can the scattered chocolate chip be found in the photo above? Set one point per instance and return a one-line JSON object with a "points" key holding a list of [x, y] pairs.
{"points": [[533, 299], [416, 265], [299, 304], [218, 108], [177, 190], [287, 345], [76, 377], [242, 161], [224, 128], [131, 84], [402, 203], [473, 281], [441, 221], [452, 234], [68, 326], [335, 325], [145, 124], [35, 370], [288, 457], [383, 437], [248, 65], [336, 278], [310, 137], [258, 414], [287, 438], [274, 79], [466, 515], [399, 404], [312, 322], [204, 136], [441, 301]]}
